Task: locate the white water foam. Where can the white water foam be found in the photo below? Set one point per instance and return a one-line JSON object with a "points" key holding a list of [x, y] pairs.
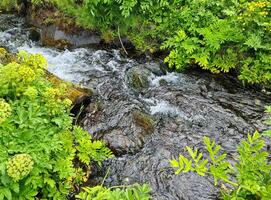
{"points": [[164, 108], [169, 78], [70, 65]]}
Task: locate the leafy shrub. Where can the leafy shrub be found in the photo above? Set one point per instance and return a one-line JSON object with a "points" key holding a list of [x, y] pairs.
{"points": [[219, 36], [134, 192], [223, 35], [42, 155], [249, 178]]}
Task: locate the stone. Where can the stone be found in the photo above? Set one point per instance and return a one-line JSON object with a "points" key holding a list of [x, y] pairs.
{"points": [[137, 78]]}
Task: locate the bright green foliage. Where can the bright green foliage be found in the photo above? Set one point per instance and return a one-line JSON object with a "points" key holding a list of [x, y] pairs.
{"points": [[250, 177], [41, 153], [216, 35], [19, 166], [90, 150], [134, 192], [15, 78]]}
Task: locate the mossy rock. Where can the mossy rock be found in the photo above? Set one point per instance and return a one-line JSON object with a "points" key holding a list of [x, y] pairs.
{"points": [[59, 44], [144, 120], [6, 57], [73, 92], [138, 79], [3, 54]]}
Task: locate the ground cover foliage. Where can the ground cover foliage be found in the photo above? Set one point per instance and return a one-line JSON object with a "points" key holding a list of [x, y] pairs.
{"points": [[219, 36], [247, 178]]}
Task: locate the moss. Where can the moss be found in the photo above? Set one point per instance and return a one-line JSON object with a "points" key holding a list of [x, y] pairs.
{"points": [[144, 120], [138, 81], [60, 44], [73, 91], [6, 57], [108, 36]]}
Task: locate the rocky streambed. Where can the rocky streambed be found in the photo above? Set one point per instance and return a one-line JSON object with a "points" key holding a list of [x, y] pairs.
{"points": [[148, 115]]}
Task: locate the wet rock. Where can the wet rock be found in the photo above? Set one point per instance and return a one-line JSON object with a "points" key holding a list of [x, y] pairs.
{"points": [[120, 131], [57, 30], [34, 34], [53, 36], [137, 78], [192, 186]]}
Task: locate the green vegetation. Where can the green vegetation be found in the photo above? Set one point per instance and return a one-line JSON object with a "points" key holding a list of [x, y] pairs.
{"points": [[219, 36], [249, 178], [133, 192], [42, 154], [7, 5]]}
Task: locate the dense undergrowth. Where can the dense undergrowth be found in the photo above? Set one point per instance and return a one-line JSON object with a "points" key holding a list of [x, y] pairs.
{"points": [[219, 36], [42, 154]]}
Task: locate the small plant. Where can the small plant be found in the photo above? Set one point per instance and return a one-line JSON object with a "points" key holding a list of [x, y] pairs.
{"points": [[249, 178], [132, 192], [42, 154]]}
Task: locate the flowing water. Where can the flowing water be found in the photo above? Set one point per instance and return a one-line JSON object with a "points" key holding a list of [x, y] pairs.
{"points": [[147, 115]]}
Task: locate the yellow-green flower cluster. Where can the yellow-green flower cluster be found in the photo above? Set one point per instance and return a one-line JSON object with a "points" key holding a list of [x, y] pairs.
{"points": [[19, 166], [5, 110], [31, 92], [36, 61], [252, 6], [26, 74], [55, 100], [16, 78], [52, 93], [260, 7], [67, 103]]}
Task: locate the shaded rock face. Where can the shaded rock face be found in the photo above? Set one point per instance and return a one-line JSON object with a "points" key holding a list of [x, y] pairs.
{"points": [[147, 126], [53, 36], [57, 31]]}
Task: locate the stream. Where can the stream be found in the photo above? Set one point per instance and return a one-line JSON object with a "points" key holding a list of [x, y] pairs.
{"points": [[148, 115]]}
